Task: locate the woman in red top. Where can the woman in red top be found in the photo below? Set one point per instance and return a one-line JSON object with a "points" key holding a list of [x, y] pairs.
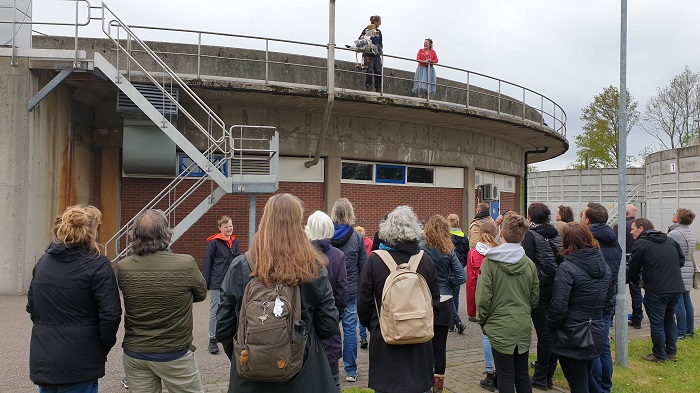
{"points": [[425, 80], [474, 260]]}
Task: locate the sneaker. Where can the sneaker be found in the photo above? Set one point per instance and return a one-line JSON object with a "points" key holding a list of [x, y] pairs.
{"points": [[351, 378], [634, 325], [651, 358], [363, 343], [451, 328], [125, 383], [213, 346], [472, 319], [460, 328]]}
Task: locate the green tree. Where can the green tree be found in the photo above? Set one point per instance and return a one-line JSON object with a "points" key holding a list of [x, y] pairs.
{"points": [[601, 129]]}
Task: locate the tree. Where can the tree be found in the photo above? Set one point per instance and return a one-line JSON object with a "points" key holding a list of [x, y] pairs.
{"points": [[601, 129], [670, 112]]}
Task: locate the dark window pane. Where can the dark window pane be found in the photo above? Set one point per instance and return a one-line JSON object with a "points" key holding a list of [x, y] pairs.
{"points": [[355, 171], [420, 175], [391, 174]]}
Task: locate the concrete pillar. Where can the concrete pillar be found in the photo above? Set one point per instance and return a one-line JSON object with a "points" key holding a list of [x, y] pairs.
{"points": [[331, 187], [110, 193], [469, 196]]}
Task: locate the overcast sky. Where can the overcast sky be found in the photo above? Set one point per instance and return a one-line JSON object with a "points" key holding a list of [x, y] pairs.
{"points": [[565, 50]]}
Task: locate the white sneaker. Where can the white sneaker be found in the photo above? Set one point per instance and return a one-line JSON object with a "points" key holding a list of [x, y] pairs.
{"points": [[351, 378]]}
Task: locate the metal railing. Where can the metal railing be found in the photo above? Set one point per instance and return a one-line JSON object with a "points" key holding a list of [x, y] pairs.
{"points": [[304, 66]]}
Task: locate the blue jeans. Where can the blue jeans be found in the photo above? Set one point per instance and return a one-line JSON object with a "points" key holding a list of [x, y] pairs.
{"points": [[602, 367], [350, 337], [83, 387], [455, 306], [661, 311], [637, 301], [685, 316], [488, 354]]}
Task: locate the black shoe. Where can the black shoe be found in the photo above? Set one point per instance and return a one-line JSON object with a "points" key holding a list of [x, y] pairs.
{"points": [[213, 346], [634, 325], [368, 88], [472, 319], [489, 383], [451, 328], [460, 328], [363, 343], [539, 378]]}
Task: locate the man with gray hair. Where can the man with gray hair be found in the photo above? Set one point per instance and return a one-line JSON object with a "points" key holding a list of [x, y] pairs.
{"points": [[159, 288]]}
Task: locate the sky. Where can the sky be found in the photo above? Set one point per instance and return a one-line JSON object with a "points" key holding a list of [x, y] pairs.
{"points": [[568, 51]]}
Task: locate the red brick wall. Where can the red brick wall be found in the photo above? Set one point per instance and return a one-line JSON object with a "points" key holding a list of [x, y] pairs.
{"points": [[372, 202], [507, 201], [137, 192]]}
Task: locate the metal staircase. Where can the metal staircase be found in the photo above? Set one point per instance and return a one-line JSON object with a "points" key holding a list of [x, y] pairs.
{"points": [[632, 194], [250, 153]]}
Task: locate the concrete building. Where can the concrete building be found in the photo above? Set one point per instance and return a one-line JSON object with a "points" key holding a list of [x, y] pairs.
{"points": [[91, 137]]}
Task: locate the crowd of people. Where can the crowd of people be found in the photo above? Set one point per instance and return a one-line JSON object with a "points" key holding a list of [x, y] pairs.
{"points": [[278, 309]]}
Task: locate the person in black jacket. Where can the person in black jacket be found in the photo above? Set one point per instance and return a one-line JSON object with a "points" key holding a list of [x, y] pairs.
{"points": [[319, 229], [282, 253], [372, 61], [659, 259], [595, 216], [396, 368], [581, 293], [221, 250], [635, 320], [542, 243], [74, 305]]}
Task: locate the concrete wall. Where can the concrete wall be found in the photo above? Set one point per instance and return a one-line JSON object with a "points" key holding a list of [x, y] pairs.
{"points": [[575, 188]]}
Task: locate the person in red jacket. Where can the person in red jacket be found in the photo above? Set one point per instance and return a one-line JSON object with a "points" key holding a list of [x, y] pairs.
{"points": [[221, 249], [474, 260], [425, 80]]}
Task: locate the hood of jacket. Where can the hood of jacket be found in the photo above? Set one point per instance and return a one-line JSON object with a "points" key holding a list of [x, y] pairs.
{"points": [[547, 230], [481, 215], [341, 235], [219, 236], [68, 253], [322, 244], [590, 260], [483, 248], [509, 257], [603, 233], [457, 232], [673, 226], [653, 235]]}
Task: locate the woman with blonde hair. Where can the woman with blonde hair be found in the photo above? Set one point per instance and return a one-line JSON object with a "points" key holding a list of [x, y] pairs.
{"points": [[282, 254], [438, 245], [488, 240], [74, 305]]}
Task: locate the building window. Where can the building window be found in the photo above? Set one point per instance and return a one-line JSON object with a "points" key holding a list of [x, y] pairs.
{"points": [[356, 171], [390, 174], [184, 162], [420, 175]]}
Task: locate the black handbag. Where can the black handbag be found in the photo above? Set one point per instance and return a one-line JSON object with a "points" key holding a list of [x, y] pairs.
{"points": [[577, 336]]}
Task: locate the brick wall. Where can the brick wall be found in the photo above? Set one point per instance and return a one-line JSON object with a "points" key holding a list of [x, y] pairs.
{"points": [[373, 202], [137, 192], [507, 201]]}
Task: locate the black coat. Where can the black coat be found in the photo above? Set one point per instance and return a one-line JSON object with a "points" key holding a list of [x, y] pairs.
{"points": [[660, 259], [318, 312], [395, 368], [532, 251], [610, 248], [338, 278], [217, 259], [582, 290], [74, 304], [352, 244]]}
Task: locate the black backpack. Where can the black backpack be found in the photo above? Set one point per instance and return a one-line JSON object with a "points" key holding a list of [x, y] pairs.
{"points": [[547, 257]]}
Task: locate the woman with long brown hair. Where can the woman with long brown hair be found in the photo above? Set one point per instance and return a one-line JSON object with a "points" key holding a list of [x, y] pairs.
{"points": [[282, 254], [581, 295], [74, 305], [438, 245]]}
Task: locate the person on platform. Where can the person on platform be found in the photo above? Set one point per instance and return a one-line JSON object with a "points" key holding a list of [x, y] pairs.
{"points": [[424, 82]]}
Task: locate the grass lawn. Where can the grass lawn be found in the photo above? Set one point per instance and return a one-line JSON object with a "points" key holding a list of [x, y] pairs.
{"points": [[642, 376], [357, 390]]}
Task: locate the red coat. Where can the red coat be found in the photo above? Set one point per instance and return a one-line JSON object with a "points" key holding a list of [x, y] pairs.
{"points": [[368, 245], [474, 260], [421, 57]]}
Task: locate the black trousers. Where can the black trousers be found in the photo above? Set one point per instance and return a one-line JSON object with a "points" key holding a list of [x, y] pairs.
{"points": [[579, 375], [440, 348], [374, 69], [539, 319], [512, 372]]}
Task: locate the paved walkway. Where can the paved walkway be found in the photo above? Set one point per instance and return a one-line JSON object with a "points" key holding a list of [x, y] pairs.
{"points": [[464, 356]]}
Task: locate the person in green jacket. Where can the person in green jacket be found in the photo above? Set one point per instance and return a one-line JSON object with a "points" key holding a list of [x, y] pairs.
{"points": [[506, 291]]}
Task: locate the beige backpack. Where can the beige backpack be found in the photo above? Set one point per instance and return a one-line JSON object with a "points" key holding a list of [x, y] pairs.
{"points": [[407, 305]]}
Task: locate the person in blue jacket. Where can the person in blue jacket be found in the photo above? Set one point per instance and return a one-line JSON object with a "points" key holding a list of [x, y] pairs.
{"points": [[373, 62], [221, 250]]}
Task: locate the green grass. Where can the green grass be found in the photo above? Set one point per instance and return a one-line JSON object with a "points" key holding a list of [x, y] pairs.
{"points": [[645, 377], [357, 390]]}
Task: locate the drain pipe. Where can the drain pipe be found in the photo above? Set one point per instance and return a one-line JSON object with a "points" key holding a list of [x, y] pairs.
{"points": [[331, 84], [527, 153]]}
